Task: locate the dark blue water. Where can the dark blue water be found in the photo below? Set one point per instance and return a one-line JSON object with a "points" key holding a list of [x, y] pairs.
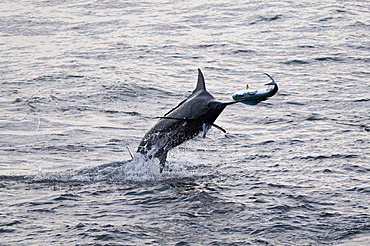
{"points": [[82, 81]]}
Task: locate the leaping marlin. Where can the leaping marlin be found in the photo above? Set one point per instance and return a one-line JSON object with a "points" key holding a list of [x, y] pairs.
{"points": [[195, 114]]}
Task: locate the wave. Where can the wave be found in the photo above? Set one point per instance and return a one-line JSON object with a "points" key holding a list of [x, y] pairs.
{"points": [[329, 58], [326, 59], [295, 62], [243, 51], [321, 157], [266, 19]]}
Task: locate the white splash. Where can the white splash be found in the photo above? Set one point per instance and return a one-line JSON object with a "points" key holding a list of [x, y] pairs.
{"points": [[139, 169]]}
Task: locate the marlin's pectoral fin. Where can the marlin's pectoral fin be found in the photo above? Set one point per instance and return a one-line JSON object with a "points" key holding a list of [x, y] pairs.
{"points": [[219, 128], [207, 126]]}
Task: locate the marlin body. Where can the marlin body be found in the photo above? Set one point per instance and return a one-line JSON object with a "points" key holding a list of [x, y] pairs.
{"points": [[195, 114]]}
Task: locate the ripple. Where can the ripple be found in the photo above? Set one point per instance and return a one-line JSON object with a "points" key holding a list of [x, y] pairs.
{"points": [[67, 197], [329, 58], [293, 62], [266, 19], [322, 157], [243, 51]]}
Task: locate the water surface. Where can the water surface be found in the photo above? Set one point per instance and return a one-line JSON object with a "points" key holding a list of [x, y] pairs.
{"points": [[83, 80]]}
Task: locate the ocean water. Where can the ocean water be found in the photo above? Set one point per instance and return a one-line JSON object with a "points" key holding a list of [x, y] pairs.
{"points": [[82, 82]]}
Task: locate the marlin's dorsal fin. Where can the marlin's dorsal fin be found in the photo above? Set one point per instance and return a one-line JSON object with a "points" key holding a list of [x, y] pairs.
{"points": [[201, 85]]}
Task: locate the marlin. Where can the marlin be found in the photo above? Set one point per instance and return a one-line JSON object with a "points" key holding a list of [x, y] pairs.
{"points": [[195, 114]]}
